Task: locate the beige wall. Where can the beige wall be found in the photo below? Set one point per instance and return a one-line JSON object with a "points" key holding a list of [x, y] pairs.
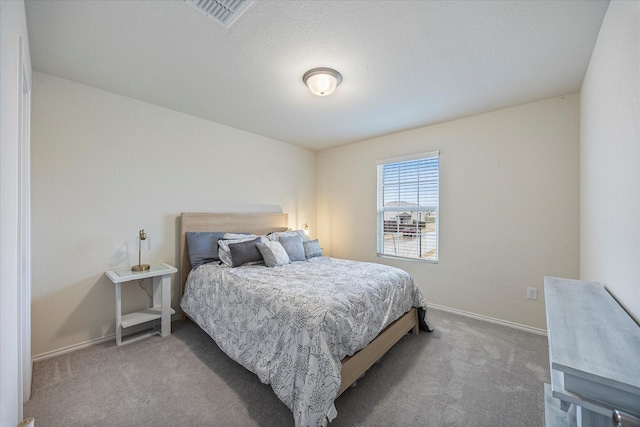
{"points": [[610, 158], [104, 166], [509, 206]]}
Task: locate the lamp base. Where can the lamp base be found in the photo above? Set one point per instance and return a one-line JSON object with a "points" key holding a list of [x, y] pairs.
{"points": [[141, 267]]}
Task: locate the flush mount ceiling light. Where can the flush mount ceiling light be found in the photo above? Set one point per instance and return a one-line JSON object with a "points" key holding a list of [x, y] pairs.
{"points": [[322, 81]]}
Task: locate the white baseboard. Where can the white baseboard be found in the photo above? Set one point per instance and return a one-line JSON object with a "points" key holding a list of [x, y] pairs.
{"points": [[514, 325], [60, 351], [137, 329]]}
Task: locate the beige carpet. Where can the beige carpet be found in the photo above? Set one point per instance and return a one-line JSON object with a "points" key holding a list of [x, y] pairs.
{"points": [[466, 373]]}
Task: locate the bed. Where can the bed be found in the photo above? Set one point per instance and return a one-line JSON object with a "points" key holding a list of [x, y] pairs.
{"points": [[280, 332]]}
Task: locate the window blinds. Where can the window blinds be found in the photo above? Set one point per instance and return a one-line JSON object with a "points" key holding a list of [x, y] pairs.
{"points": [[408, 207]]}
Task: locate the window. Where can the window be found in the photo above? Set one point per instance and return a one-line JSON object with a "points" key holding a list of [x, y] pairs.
{"points": [[408, 207]]}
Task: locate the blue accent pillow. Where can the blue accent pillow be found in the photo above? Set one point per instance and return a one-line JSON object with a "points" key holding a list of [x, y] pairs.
{"points": [[312, 249], [203, 247], [293, 246]]}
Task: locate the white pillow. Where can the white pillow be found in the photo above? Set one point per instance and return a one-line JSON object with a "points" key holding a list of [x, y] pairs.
{"points": [[236, 236], [273, 253], [223, 246], [277, 234]]}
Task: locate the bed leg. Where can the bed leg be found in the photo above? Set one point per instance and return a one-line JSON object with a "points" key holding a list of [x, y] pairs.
{"points": [[416, 329]]}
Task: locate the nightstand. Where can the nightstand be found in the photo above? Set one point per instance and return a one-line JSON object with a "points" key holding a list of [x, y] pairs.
{"points": [[161, 274]]}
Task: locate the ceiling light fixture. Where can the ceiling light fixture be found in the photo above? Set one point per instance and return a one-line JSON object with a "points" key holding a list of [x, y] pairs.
{"points": [[322, 81]]}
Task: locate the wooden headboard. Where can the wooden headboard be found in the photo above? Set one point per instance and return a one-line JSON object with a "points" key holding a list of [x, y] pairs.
{"points": [[256, 223]]}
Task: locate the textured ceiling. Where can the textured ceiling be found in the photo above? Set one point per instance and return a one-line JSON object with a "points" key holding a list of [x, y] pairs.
{"points": [[405, 64]]}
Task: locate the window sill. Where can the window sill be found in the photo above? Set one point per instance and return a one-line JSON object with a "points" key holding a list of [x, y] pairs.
{"points": [[428, 261]]}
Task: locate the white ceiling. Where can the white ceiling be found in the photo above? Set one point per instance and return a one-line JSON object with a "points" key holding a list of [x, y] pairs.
{"points": [[405, 64]]}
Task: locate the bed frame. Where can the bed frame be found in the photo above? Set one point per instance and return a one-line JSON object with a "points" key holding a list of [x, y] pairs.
{"points": [[353, 367]]}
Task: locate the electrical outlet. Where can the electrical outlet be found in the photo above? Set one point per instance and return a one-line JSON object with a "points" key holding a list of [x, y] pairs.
{"points": [[532, 293]]}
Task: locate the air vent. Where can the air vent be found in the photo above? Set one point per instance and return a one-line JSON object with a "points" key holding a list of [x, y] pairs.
{"points": [[224, 12]]}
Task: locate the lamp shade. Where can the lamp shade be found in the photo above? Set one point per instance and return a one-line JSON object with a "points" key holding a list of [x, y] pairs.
{"points": [[322, 81]]}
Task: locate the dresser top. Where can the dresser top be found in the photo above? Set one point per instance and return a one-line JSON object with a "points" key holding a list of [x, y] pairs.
{"points": [[590, 334]]}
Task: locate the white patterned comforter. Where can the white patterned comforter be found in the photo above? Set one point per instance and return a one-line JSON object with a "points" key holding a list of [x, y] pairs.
{"points": [[292, 325]]}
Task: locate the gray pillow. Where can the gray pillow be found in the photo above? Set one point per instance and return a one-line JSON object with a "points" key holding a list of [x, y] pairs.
{"points": [[223, 247], [273, 253], [245, 252], [312, 249], [203, 247], [293, 246]]}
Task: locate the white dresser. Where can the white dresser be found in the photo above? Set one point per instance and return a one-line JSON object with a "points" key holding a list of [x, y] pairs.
{"points": [[594, 352]]}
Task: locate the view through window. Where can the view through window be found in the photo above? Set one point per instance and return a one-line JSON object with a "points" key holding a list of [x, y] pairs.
{"points": [[408, 207]]}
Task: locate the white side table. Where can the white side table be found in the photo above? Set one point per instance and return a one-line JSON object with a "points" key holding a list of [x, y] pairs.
{"points": [[161, 274]]}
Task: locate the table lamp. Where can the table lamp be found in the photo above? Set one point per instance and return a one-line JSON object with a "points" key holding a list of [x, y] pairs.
{"points": [[142, 237]]}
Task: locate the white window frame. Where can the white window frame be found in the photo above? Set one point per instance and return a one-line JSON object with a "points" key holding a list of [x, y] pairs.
{"points": [[400, 242]]}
